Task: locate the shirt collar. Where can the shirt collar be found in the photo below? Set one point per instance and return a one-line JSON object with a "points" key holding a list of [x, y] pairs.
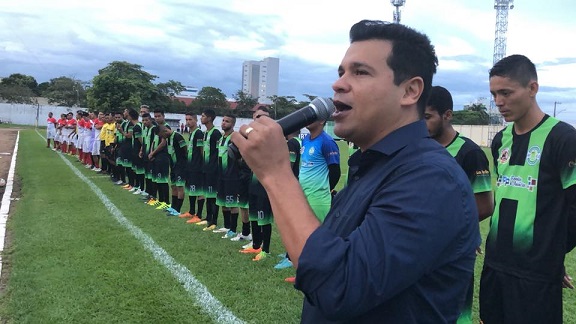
{"points": [[401, 137], [389, 145]]}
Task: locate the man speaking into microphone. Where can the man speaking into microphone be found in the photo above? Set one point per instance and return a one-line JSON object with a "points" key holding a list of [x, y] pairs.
{"points": [[398, 245]]}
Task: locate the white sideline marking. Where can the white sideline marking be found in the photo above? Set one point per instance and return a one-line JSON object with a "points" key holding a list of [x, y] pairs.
{"points": [[6, 198], [209, 304]]}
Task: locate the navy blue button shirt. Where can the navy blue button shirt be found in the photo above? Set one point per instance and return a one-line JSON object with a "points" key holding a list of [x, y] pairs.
{"points": [[398, 245]]}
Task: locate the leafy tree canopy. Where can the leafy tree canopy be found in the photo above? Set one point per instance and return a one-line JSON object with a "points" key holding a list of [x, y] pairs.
{"points": [[65, 91], [121, 85], [284, 105], [18, 88], [245, 104], [473, 114], [210, 98], [125, 85]]}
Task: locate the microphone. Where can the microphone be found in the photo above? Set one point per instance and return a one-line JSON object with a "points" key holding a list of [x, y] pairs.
{"points": [[319, 109]]}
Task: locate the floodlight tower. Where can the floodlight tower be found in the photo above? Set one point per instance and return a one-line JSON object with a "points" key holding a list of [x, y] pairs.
{"points": [[502, 7], [397, 4]]}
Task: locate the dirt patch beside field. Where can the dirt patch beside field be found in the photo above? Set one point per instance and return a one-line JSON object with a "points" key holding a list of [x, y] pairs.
{"points": [[7, 142]]}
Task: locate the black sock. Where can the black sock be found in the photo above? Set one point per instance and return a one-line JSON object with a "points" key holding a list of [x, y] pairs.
{"points": [[256, 234], [152, 190], [200, 207], [140, 181], [226, 214], [233, 222], [163, 192], [266, 236], [136, 181], [115, 175], [208, 212], [174, 203], [215, 210], [246, 228], [192, 201], [211, 211], [121, 173], [130, 175], [179, 202], [148, 186]]}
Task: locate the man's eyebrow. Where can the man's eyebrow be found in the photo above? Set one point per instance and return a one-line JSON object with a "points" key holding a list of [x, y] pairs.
{"points": [[356, 65]]}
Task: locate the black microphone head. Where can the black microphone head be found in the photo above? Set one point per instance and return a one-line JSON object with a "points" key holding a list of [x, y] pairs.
{"points": [[324, 107]]}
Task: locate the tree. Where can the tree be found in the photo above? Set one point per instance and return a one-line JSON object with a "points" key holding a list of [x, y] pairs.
{"points": [[210, 97], [170, 88], [474, 113], [476, 106], [283, 105], [65, 91], [163, 99], [120, 85], [310, 97], [42, 88], [245, 103], [18, 88], [21, 80]]}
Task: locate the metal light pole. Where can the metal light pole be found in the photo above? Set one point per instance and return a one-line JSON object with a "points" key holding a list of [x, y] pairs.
{"points": [[556, 103], [396, 14]]}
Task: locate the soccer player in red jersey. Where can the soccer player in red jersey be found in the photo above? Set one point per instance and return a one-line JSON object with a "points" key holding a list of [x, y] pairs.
{"points": [[51, 130]]}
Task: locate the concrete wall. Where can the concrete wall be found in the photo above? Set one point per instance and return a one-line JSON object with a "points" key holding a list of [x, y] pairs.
{"points": [[34, 115], [480, 134]]}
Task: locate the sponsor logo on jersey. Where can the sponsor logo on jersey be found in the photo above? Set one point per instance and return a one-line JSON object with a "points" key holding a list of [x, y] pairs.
{"points": [[311, 151], [504, 156], [517, 181], [533, 155]]}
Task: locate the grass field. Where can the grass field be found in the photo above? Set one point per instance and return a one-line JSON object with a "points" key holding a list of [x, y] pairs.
{"points": [[86, 251]]}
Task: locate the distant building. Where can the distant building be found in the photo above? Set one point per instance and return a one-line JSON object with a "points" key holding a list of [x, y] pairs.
{"points": [[189, 92], [260, 78]]}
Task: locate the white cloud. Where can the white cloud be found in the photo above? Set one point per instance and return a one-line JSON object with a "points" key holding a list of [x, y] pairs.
{"points": [[198, 42]]}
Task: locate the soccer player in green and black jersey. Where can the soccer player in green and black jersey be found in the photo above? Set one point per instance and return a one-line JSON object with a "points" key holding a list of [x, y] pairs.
{"points": [[533, 225], [136, 145], [228, 189], [122, 124], [194, 160], [176, 146], [210, 168], [160, 161], [126, 149], [470, 157], [147, 130]]}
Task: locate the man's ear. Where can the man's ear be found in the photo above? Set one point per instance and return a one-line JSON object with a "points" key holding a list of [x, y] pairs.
{"points": [[533, 87], [412, 91]]}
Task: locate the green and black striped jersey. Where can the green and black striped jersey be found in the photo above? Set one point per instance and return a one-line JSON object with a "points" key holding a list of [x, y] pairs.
{"points": [[473, 161], [534, 200]]}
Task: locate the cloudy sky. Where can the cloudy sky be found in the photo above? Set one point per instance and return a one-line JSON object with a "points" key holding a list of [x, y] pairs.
{"points": [[203, 43]]}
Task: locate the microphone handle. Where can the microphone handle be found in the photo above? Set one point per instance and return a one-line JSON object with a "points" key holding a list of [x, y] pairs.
{"points": [[289, 123]]}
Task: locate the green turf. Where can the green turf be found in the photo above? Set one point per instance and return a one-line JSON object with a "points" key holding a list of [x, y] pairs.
{"points": [[72, 262]]}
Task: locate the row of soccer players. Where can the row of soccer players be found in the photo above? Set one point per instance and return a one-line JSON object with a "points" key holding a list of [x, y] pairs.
{"points": [[157, 161], [79, 136]]}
